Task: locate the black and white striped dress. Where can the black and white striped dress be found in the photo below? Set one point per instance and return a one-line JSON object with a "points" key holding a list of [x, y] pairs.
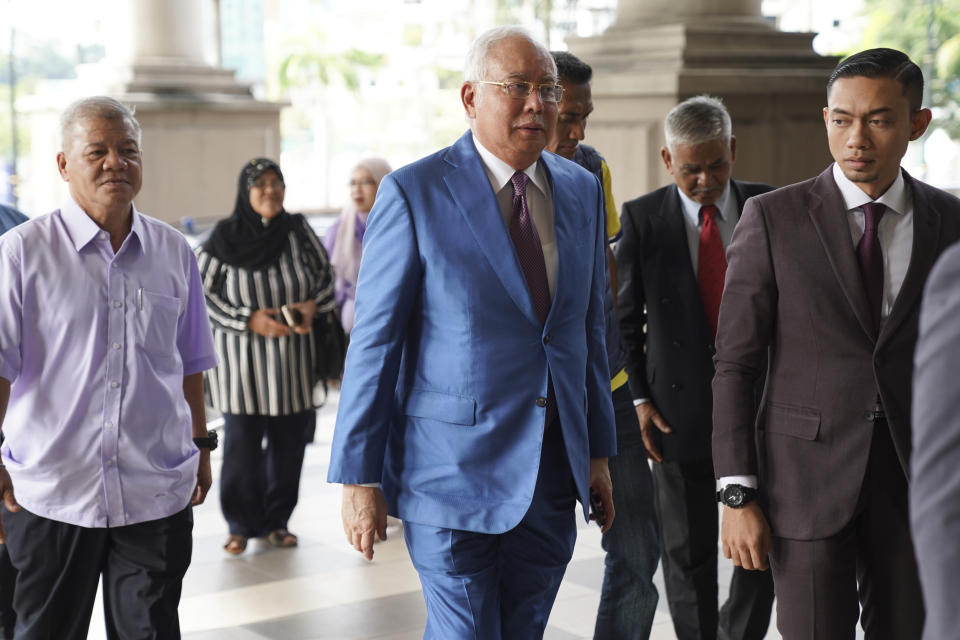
{"points": [[259, 375]]}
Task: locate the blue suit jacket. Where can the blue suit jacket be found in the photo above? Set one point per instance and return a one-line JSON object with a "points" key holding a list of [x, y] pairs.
{"points": [[448, 357]]}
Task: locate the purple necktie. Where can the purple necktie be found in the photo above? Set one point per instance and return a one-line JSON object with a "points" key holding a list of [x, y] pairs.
{"points": [[871, 259], [526, 241]]}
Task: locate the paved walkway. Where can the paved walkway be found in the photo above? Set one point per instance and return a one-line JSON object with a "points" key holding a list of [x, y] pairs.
{"points": [[323, 589]]}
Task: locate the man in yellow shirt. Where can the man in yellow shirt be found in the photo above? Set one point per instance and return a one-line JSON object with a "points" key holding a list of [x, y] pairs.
{"points": [[629, 597]]}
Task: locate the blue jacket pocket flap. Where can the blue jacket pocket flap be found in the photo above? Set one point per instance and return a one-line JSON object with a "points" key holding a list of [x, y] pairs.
{"points": [[441, 406]]}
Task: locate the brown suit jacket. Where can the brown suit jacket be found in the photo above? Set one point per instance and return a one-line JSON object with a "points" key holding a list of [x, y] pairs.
{"points": [[793, 287]]}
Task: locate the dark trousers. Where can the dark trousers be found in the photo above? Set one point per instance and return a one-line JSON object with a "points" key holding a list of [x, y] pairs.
{"points": [[59, 566], [493, 587], [259, 485], [686, 498], [628, 600], [817, 580], [8, 577]]}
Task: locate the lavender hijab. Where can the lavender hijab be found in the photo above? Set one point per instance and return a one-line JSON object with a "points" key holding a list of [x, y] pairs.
{"points": [[343, 243]]}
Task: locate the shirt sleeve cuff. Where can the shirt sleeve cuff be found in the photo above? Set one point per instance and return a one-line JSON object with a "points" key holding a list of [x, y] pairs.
{"points": [[375, 485], [639, 401], [746, 481]]}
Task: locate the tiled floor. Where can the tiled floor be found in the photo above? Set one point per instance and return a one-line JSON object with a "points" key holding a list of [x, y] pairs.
{"points": [[323, 589]]}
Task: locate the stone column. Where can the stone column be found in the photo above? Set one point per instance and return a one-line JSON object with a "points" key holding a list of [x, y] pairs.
{"points": [[199, 124], [661, 52]]}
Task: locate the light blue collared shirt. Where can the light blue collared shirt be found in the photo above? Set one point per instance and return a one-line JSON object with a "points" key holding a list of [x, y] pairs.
{"points": [[96, 345]]}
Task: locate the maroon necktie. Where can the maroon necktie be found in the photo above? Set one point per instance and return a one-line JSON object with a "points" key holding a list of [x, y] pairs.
{"points": [[527, 243], [871, 259], [712, 265], [530, 252]]}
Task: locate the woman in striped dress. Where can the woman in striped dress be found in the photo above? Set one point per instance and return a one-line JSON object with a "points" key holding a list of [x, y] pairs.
{"points": [[266, 275]]}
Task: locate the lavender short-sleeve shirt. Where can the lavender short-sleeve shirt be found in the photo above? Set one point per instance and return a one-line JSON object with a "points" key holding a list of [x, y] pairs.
{"points": [[96, 345]]}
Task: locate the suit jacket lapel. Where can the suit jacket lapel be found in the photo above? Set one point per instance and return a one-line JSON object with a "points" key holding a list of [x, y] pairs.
{"points": [[923, 254], [828, 214], [470, 189], [671, 211], [564, 233]]}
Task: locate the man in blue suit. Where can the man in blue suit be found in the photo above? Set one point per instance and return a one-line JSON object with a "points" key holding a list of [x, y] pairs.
{"points": [[478, 349]]}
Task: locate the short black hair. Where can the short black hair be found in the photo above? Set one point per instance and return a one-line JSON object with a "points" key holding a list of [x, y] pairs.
{"points": [[883, 63], [571, 69]]}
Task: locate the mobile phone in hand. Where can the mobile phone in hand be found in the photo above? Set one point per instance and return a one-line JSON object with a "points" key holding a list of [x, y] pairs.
{"points": [[291, 316], [596, 506]]}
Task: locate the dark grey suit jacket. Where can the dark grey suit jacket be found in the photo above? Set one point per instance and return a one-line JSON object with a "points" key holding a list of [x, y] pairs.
{"points": [[671, 361], [935, 489], [793, 285]]}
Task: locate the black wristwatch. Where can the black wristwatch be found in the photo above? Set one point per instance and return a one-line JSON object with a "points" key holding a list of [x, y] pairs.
{"points": [[736, 496], [210, 442]]}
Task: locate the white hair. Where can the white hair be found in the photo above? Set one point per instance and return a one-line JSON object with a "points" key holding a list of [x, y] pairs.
{"points": [[475, 67], [697, 120], [99, 108]]}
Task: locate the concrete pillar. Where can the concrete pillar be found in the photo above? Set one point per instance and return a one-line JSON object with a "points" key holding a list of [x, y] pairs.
{"points": [[199, 124], [167, 30], [661, 52], [645, 12]]}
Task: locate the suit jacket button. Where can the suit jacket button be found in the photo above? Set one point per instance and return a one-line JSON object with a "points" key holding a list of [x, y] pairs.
{"points": [[664, 300], [868, 416], [546, 339], [676, 343], [675, 386], [541, 402]]}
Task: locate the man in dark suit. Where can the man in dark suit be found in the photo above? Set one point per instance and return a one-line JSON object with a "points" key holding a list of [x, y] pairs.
{"points": [[935, 486], [826, 275], [669, 295], [477, 349]]}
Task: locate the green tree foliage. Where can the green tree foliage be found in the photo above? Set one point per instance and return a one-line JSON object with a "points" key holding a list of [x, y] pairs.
{"points": [[903, 24], [304, 65]]}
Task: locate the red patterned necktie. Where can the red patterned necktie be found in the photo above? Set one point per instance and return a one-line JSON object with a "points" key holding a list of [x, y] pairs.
{"points": [[526, 241], [870, 257], [712, 265]]}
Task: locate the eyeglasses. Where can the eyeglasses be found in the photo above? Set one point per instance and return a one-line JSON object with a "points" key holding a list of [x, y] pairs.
{"points": [[276, 185], [548, 92], [362, 183]]}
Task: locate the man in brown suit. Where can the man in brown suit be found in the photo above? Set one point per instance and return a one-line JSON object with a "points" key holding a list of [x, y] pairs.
{"points": [[826, 276]]}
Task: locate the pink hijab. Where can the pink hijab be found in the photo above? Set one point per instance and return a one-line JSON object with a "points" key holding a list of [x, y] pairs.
{"points": [[345, 256]]}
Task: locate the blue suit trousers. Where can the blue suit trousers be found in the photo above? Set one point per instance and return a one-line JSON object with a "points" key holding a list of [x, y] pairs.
{"points": [[500, 586]]}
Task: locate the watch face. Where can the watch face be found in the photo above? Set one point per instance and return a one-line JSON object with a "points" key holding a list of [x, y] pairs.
{"points": [[733, 496]]}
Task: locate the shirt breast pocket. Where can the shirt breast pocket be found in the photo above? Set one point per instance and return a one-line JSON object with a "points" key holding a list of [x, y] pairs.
{"points": [[156, 325]]}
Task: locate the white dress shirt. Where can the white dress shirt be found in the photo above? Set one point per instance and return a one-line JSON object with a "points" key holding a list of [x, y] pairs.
{"points": [[895, 231], [729, 215], [539, 200]]}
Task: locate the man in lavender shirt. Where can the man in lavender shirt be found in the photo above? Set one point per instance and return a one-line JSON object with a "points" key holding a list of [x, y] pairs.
{"points": [[103, 340]]}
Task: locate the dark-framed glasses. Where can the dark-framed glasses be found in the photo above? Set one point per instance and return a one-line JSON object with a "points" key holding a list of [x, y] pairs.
{"points": [[548, 92]]}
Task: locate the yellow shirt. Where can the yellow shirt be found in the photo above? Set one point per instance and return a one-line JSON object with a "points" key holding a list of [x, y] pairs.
{"points": [[613, 230]]}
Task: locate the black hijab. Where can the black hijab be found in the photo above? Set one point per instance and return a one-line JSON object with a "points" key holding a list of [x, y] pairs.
{"points": [[242, 240]]}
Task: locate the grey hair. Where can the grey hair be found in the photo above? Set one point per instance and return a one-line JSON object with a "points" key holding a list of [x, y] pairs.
{"points": [[475, 66], [697, 120], [96, 107]]}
